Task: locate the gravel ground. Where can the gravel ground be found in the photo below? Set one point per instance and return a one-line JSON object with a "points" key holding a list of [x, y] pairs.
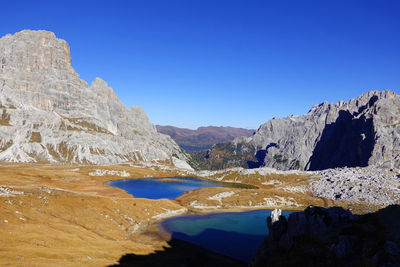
{"points": [[370, 184]]}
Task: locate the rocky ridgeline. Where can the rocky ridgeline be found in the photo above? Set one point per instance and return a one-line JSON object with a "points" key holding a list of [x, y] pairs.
{"points": [[203, 137], [372, 185], [49, 114], [361, 132], [331, 237]]}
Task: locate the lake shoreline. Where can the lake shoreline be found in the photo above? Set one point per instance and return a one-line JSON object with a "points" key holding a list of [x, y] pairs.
{"points": [[233, 234], [49, 209], [162, 227]]}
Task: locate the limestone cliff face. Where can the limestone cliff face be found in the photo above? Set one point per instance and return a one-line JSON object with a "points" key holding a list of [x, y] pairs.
{"points": [[363, 131], [49, 114]]}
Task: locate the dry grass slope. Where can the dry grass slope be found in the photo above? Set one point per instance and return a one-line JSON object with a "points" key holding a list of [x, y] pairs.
{"points": [[66, 215], [59, 215]]}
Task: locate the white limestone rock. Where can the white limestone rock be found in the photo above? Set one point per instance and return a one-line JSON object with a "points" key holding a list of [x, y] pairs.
{"points": [[181, 164], [49, 114], [275, 214], [372, 185], [361, 132]]}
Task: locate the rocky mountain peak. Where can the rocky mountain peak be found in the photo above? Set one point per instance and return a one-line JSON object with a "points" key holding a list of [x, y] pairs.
{"points": [[354, 103], [35, 51], [49, 114], [101, 88], [360, 132]]}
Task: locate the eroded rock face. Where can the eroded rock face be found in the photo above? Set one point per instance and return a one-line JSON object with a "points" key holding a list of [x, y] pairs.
{"points": [[49, 114], [361, 132], [331, 237]]}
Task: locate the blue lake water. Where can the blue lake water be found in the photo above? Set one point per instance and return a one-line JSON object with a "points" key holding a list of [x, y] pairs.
{"points": [[237, 235], [234, 234], [156, 188]]}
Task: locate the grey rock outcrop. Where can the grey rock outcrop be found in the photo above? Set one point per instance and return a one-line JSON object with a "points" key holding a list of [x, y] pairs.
{"points": [[49, 114], [361, 132], [332, 237]]}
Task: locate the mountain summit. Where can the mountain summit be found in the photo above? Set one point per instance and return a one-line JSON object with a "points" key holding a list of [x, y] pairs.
{"points": [[49, 114], [361, 132]]}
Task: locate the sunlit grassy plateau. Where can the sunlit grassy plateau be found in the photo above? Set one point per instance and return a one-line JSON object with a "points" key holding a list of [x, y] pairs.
{"points": [[61, 215]]}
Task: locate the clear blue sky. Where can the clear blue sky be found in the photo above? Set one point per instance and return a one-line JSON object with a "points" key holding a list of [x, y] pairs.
{"points": [[239, 63]]}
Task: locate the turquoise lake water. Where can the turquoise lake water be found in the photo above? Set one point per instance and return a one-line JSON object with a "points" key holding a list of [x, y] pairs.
{"points": [[155, 188], [237, 235]]}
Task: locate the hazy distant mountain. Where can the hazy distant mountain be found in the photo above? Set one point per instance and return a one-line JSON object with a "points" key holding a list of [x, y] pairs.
{"points": [[49, 114], [361, 132], [203, 137]]}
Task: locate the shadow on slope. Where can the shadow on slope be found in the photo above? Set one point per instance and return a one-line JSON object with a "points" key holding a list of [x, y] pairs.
{"points": [[348, 142], [180, 253], [260, 157]]}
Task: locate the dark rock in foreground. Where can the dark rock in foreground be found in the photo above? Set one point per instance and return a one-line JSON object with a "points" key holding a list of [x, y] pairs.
{"points": [[332, 237]]}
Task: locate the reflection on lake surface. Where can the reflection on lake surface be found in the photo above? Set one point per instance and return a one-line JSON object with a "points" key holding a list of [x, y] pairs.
{"points": [[156, 188], [237, 235]]}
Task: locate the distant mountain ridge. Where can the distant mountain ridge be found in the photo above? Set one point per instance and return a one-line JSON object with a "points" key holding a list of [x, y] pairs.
{"points": [[51, 115], [361, 132], [203, 137]]}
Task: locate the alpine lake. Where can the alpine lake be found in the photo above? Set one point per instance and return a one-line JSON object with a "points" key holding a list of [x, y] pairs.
{"points": [[235, 234]]}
